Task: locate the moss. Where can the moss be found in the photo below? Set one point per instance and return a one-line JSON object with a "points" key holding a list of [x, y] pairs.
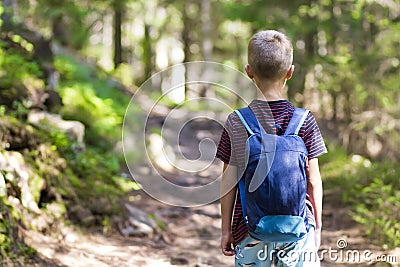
{"points": [[36, 183], [57, 210], [60, 174], [11, 242]]}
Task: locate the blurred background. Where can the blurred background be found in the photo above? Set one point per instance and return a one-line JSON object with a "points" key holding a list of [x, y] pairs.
{"points": [[69, 68]]}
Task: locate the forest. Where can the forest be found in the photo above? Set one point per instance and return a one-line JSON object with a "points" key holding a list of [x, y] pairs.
{"points": [[87, 119]]}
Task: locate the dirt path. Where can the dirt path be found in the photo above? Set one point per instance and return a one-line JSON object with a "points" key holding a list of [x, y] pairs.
{"points": [[191, 239], [191, 235]]}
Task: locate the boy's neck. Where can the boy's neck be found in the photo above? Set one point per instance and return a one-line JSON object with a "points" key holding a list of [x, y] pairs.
{"points": [[270, 91]]}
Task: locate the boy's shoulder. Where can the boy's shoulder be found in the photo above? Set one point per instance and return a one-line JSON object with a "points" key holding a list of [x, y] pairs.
{"points": [[269, 113], [265, 110], [275, 106]]}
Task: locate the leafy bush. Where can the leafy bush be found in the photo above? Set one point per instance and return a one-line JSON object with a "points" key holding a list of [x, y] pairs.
{"points": [[90, 97], [15, 67], [102, 122], [376, 200], [85, 179], [16, 71], [373, 190], [91, 175]]}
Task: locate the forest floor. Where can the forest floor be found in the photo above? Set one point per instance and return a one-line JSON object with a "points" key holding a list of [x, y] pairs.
{"points": [[191, 236], [191, 239]]}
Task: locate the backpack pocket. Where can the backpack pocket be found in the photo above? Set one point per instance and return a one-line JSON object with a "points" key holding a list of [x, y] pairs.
{"points": [[280, 228]]}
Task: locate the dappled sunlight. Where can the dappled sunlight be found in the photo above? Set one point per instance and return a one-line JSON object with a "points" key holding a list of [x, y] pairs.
{"points": [[83, 249]]}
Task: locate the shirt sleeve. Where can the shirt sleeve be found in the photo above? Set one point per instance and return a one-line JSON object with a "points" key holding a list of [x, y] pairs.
{"points": [[312, 137], [225, 150], [224, 147]]}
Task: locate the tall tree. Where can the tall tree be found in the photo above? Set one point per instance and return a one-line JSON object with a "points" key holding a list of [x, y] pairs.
{"points": [[185, 35], [207, 45], [147, 51], [118, 7]]}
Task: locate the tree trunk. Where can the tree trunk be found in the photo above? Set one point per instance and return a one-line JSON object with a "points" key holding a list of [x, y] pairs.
{"points": [[7, 15], [300, 83], [334, 97], [310, 54], [347, 105], [117, 33], [147, 52], [60, 32], [206, 41], [206, 29], [186, 31], [185, 35]]}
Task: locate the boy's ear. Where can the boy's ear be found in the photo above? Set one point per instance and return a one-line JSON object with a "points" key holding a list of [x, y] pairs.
{"points": [[247, 68], [289, 73]]}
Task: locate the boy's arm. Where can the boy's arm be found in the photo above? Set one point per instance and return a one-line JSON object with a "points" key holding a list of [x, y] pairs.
{"points": [[315, 191], [228, 196]]}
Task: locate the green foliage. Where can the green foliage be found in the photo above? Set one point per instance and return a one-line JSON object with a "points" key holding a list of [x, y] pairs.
{"points": [[376, 207], [60, 141], [160, 224], [93, 99], [337, 162], [64, 177], [126, 184], [375, 196], [67, 19], [90, 174], [84, 177], [15, 66], [70, 70], [373, 190], [125, 74], [107, 227], [18, 73], [11, 244], [19, 109], [101, 119]]}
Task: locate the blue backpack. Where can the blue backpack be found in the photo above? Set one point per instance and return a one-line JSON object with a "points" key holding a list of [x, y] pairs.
{"points": [[273, 186]]}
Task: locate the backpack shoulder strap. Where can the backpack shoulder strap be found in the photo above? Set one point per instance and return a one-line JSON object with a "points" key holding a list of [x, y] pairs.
{"points": [[297, 120], [242, 194], [252, 125], [249, 120]]}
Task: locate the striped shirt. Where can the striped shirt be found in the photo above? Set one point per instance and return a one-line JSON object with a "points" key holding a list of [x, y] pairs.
{"points": [[231, 148]]}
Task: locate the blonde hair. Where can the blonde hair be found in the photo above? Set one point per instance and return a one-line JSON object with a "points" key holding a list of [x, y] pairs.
{"points": [[270, 54]]}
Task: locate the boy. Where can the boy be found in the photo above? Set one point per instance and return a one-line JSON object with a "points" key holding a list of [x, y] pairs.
{"points": [[270, 57]]}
